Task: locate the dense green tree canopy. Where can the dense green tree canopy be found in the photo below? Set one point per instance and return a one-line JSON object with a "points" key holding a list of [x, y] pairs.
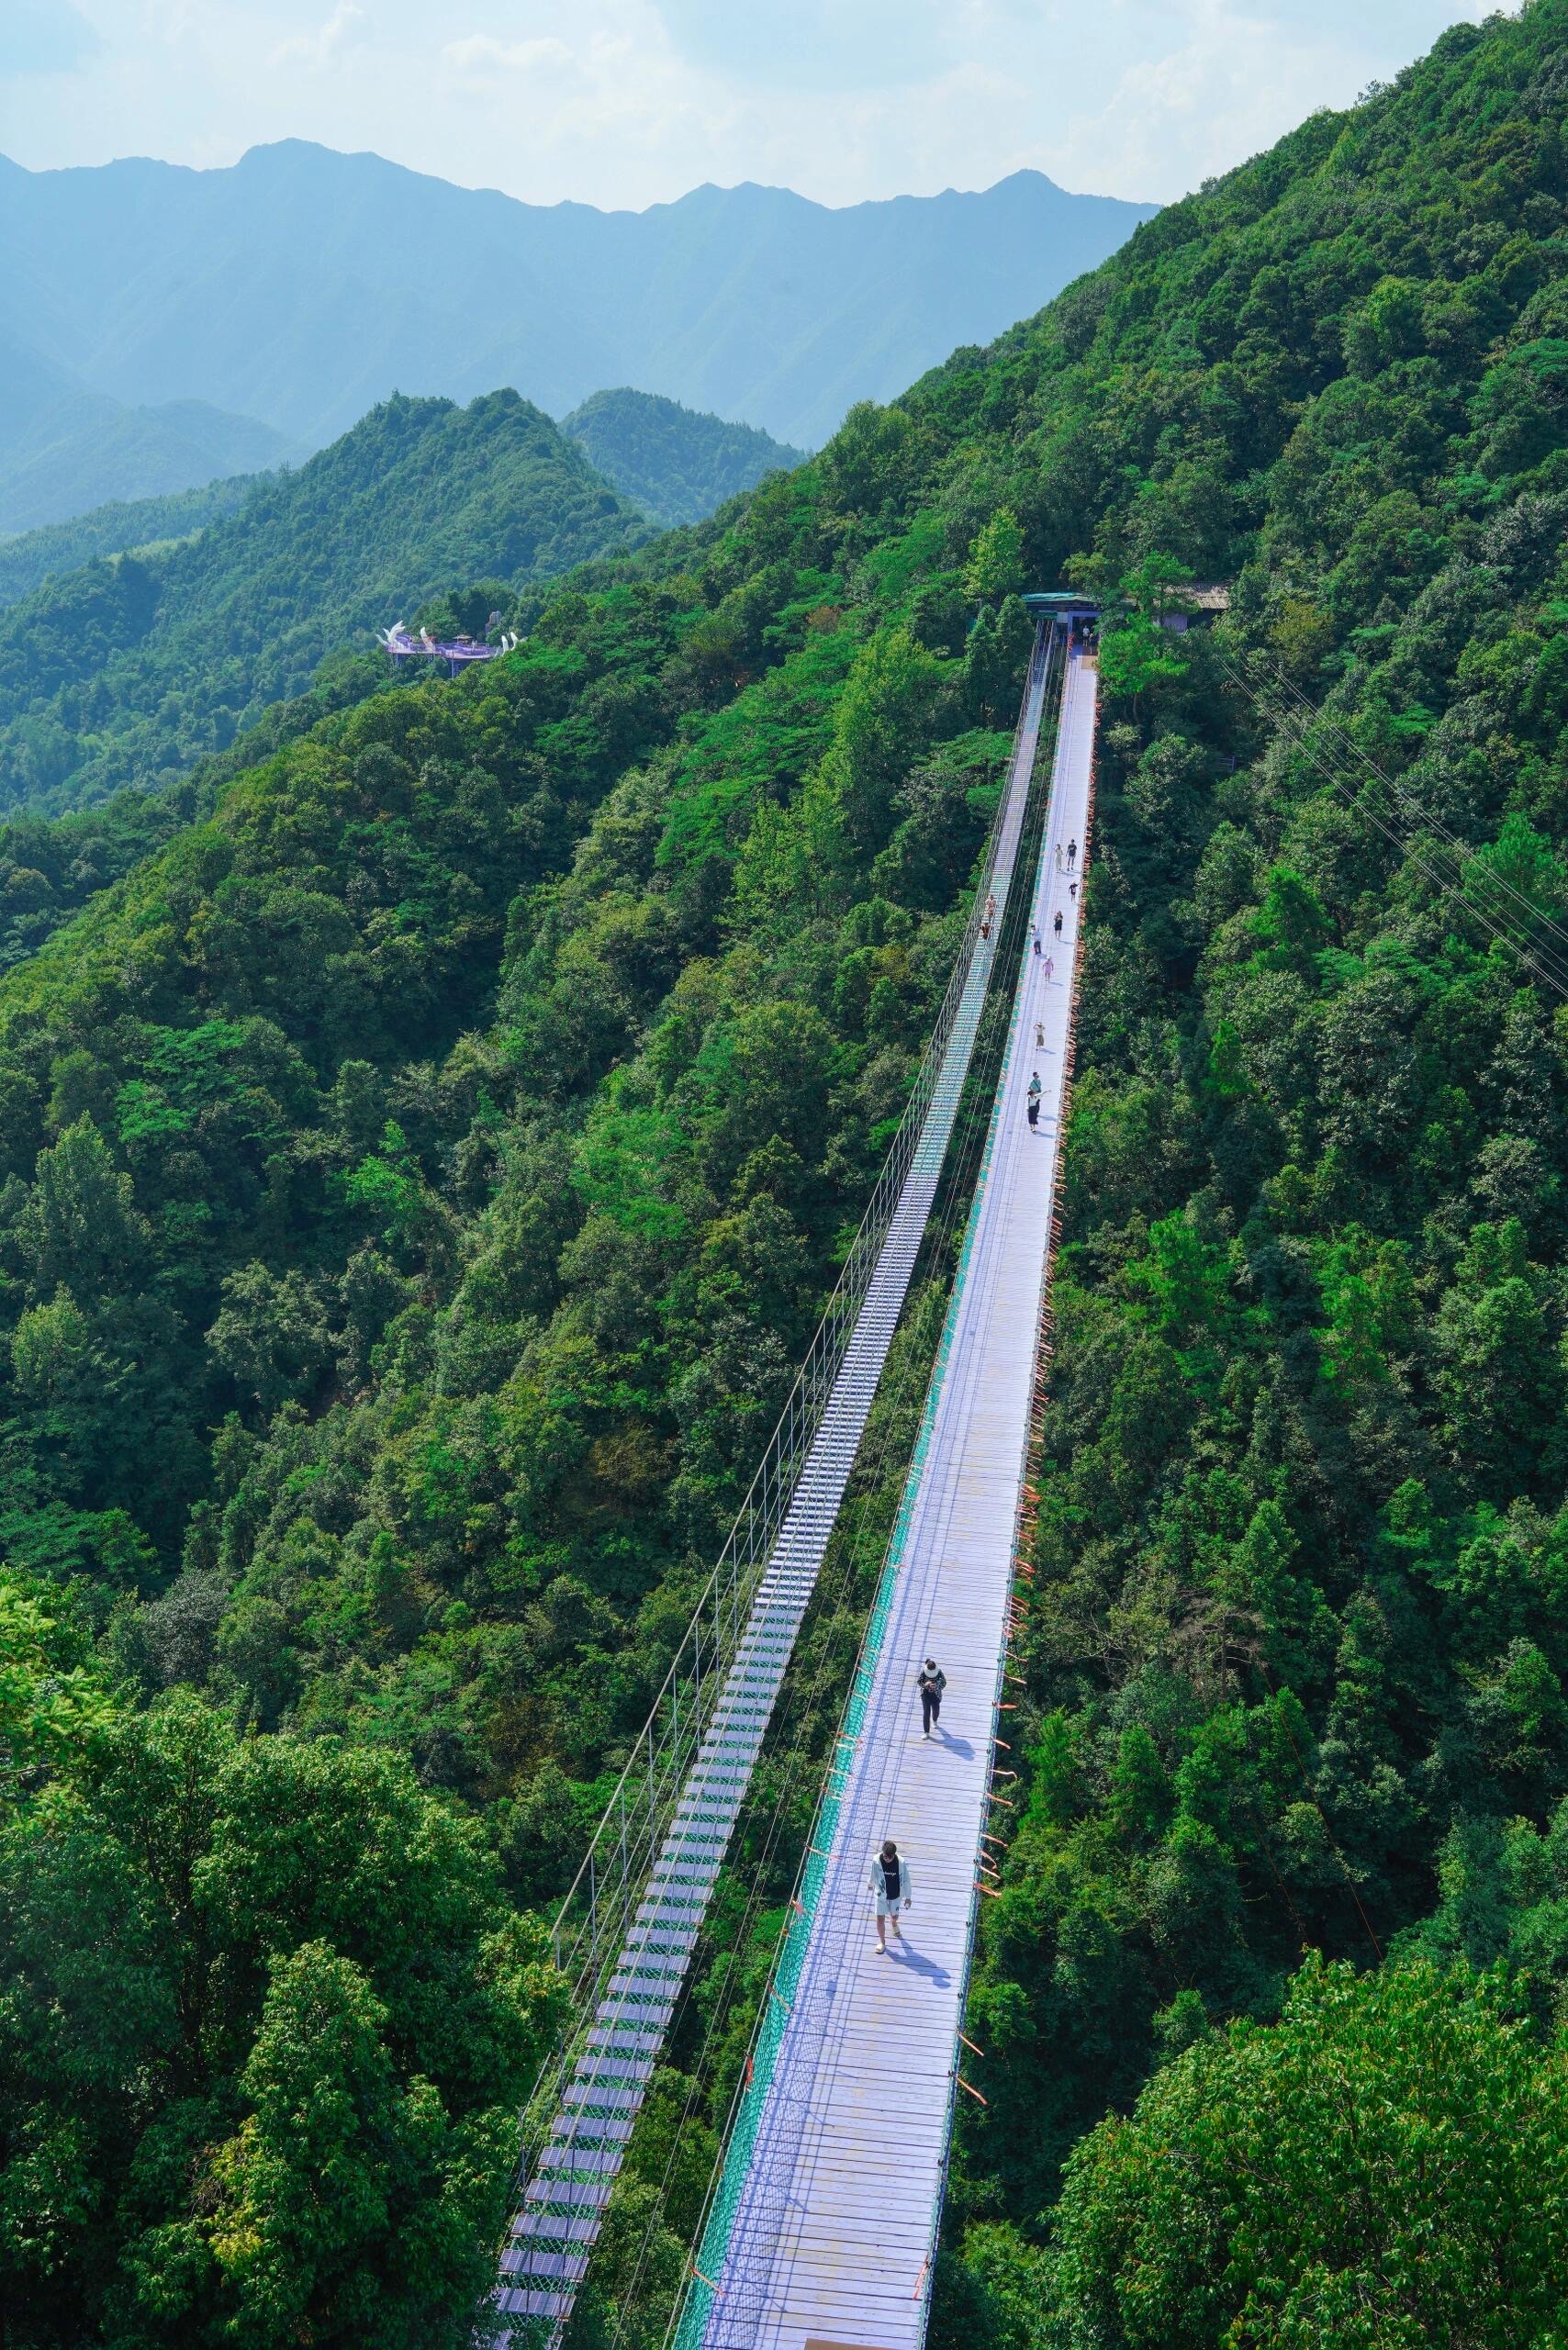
{"points": [[30, 557], [1386, 2168], [674, 464], [420, 1171], [129, 668], [264, 2020]]}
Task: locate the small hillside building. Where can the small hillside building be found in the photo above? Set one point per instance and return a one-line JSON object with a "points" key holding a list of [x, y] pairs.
{"points": [[1200, 601]]}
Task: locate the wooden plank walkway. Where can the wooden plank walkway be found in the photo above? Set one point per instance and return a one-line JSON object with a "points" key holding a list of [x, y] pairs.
{"points": [[834, 2227]]}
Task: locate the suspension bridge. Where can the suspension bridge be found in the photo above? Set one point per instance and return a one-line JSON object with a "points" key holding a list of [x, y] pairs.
{"points": [[823, 2223]]}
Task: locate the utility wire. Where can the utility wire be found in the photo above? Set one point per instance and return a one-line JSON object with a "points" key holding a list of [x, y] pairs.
{"points": [[1537, 957], [1465, 853]]}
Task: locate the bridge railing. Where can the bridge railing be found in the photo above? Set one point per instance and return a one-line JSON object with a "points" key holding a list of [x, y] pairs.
{"points": [[591, 1925], [690, 2320]]}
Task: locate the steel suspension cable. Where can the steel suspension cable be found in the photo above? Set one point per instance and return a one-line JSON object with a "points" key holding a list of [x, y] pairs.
{"points": [[1465, 853], [620, 2052], [913, 1371]]}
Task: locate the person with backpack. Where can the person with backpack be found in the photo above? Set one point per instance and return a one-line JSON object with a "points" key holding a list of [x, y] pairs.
{"points": [[930, 1681], [890, 1886]]}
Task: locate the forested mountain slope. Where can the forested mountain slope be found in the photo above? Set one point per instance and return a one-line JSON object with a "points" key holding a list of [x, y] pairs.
{"points": [[124, 671], [30, 557], [675, 466], [421, 1175], [303, 286]]}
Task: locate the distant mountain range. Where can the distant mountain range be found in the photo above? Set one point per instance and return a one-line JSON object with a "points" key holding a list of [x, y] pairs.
{"points": [[65, 446], [672, 464], [675, 466], [27, 559], [126, 670], [300, 286]]}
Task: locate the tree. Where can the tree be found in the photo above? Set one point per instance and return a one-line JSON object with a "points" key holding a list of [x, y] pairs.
{"points": [[54, 1708], [266, 2017], [1137, 653], [270, 1336], [995, 567], [1386, 2168], [880, 727], [350, 2208], [80, 1230]]}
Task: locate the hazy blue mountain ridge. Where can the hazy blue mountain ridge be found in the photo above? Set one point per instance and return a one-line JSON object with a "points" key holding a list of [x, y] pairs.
{"points": [[65, 447], [126, 671], [122, 524], [675, 466], [301, 285]]}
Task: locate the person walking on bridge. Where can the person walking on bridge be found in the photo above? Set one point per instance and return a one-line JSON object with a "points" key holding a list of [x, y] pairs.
{"points": [[1055, 927], [1071, 854], [1035, 1099], [889, 1886], [930, 1681]]}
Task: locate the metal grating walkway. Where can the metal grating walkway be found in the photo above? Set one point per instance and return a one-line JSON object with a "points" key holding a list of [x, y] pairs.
{"points": [[825, 2222], [553, 2232]]}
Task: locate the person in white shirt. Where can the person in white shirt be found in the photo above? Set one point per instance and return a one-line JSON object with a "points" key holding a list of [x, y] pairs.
{"points": [[889, 1886]]}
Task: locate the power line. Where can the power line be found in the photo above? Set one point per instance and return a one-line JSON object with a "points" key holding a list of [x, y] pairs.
{"points": [[1537, 959], [1465, 853]]}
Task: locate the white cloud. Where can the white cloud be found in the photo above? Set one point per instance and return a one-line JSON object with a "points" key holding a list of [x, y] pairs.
{"points": [[1234, 84], [44, 37], [481, 53], [321, 49], [824, 45], [631, 102]]}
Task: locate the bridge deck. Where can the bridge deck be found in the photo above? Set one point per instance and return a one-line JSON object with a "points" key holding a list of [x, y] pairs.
{"points": [[834, 2230], [573, 2176]]}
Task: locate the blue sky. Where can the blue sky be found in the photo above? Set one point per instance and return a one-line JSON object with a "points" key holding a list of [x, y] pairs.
{"points": [[631, 102]]}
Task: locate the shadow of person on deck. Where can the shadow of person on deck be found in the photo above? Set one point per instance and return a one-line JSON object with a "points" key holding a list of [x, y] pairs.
{"points": [[958, 1746], [903, 1950]]}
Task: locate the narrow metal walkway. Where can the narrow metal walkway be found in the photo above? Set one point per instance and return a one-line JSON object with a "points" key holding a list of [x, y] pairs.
{"points": [[825, 2226], [553, 2232]]}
